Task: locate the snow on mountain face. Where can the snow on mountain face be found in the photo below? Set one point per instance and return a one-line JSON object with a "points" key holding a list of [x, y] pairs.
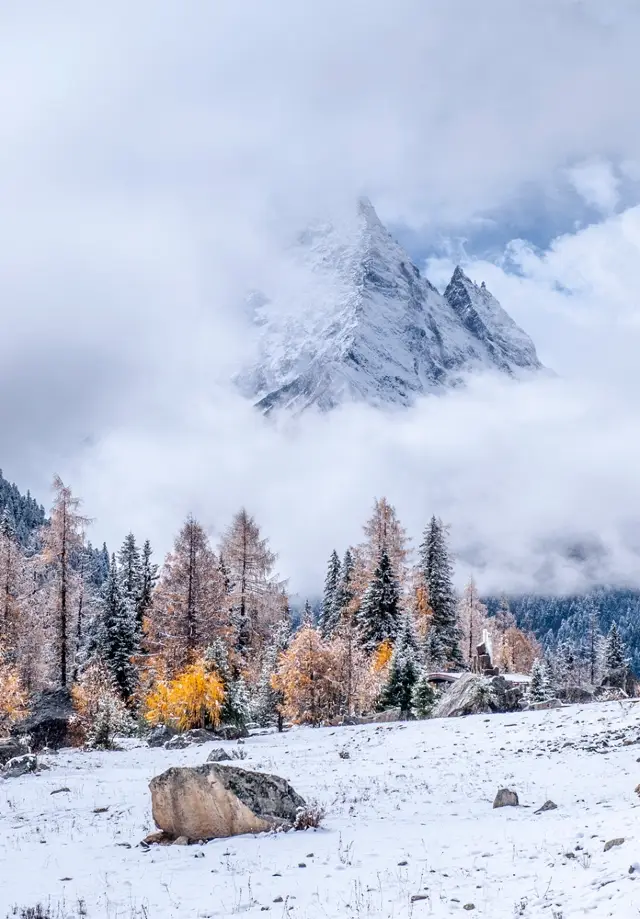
{"points": [[362, 324]]}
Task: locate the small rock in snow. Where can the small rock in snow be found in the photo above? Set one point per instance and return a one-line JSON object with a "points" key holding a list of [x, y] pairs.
{"points": [[547, 806], [613, 842], [506, 798]]}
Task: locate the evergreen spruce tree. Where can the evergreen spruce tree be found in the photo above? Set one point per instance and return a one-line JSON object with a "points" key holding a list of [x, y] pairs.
{"points": [[130, 572], [423, 696], [117, 639], [328, 619], [235, 708], [616, 660], [267, 708], [435, 654], [379, 614], [435, 563], [540, 686], [344, 591], [307, 615], [147, 583], [403, 670]]}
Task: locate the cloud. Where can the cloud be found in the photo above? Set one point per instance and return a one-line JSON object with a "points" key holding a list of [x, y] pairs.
{"points": [[153, 160], [597, 183]]}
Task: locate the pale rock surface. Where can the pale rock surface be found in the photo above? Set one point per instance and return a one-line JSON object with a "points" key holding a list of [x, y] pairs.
{"points": [[211, 801]]}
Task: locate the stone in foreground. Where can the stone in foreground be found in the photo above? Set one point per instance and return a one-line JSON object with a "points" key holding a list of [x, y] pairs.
{"points": [[506, 798], [213, 801]]}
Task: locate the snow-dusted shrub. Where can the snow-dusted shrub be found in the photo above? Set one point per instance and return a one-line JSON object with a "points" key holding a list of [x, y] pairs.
{"points": [[309, 817], [100, 711]]}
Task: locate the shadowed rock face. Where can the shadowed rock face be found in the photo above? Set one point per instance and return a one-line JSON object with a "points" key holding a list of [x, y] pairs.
{"points": [[48, 723], [211, 801]]}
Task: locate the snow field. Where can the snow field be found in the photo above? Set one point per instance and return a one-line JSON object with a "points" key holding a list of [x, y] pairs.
{"points": [[409, 829]]}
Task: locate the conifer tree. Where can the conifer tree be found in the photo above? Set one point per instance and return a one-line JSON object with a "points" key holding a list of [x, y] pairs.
{"points": [[403, 670], [117, 639], [11, 579], [435, 563], [307, 614], [256, 598], [61, 538], [330, 614], [423, 696], [379, 614], [594, 641], [269, 700], [616, 660], [130, 573], [472, 616], [147, 585], [384, 533], [540, 689], [345, 593], [235, 707], [435, 654], [187, 613]]}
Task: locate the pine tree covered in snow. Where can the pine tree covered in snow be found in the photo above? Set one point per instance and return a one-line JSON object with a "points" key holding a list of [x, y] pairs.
{"points": [[235, 707], [437, 571], [379, 613], [330, 614], [616, 659], [24, 514], [403, 669], [130, 573], [540, 689], [117, 637], [423, 696], [435, 653], [345, 588], [269, 700], [148, 582]]}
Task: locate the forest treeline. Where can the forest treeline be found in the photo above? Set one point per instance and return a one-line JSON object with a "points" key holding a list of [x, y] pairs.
{"points": [[207, 636]]}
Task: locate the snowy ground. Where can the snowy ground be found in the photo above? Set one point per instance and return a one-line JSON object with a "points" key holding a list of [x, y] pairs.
{"points": [[408, 814]]}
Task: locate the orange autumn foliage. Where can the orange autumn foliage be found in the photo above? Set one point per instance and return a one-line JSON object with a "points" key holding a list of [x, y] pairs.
{"points": [[13, 697], [381, 656], [192, 700]]}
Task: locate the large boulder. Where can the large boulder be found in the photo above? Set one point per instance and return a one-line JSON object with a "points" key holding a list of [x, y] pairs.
{"points": [[10, 747], [211, 801], [48, 723], [476, 695]]}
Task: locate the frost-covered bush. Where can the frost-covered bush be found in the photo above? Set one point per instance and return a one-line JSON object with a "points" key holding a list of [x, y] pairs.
{"points": [[100, 713]]}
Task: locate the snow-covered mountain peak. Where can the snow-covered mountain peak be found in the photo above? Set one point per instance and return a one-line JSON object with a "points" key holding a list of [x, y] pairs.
{"points": [[356, 321]]}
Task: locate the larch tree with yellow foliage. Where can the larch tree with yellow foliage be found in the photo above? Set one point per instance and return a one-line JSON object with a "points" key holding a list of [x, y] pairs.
{"points": [[13, 696], [308, 679], [193, 699], [188, 608]]}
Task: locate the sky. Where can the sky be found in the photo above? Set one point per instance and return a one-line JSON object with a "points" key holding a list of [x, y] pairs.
{"points": [[153, 159]]}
